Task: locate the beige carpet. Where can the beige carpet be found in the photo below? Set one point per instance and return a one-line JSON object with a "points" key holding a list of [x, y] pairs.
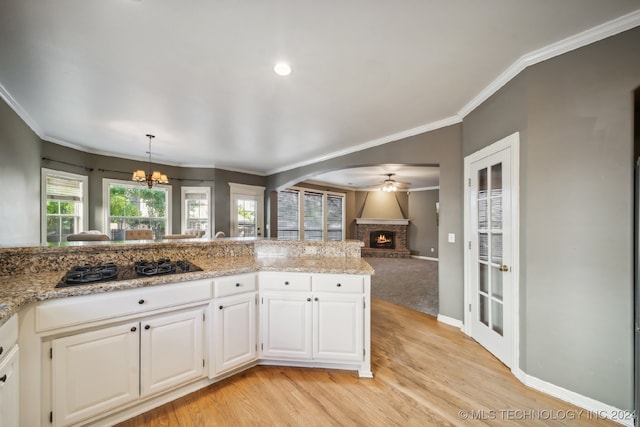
{"points": [[409, 282]]}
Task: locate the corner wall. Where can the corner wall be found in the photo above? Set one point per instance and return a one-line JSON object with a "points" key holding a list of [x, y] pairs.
{"points": [[19, 181], [575, 115]]}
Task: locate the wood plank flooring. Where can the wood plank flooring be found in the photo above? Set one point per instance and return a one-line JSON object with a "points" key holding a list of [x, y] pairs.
{"points": [[426, 373]]}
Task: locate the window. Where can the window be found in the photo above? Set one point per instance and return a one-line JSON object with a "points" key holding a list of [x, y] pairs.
{"points": [[288, 215], [196, 209], [132, 206], [313, 216], [64, 202], [320, 212]]}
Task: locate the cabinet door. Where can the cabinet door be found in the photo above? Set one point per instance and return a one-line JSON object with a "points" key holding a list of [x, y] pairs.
{"points": [[234, 332], [286, 325], [9, 409], [338, 327], [93, 372], [171, 350]]}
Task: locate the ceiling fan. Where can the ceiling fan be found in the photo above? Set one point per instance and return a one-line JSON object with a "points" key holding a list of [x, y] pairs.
{"points": [[391, 184]]}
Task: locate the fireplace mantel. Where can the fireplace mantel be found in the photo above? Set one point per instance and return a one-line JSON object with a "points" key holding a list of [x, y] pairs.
{"points": [[382, 221]]}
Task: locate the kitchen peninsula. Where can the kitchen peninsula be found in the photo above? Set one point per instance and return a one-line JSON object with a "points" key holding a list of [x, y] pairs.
{"points": [[102, 352]]}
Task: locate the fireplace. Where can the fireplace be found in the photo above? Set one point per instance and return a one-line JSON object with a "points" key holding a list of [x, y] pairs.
{"points": [[382, 239]]}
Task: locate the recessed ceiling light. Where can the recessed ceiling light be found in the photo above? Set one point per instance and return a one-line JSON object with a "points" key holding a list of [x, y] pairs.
{"points": [[282, 69]]}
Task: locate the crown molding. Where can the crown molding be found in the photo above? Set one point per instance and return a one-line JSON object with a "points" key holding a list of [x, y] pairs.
{"points": [[592, 35], [21, 112], [374, 143]]}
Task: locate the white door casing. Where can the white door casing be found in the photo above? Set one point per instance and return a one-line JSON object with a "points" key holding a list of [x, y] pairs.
{"points": [[491, 252]]}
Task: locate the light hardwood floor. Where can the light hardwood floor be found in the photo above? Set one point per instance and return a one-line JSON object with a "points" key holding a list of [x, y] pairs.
{"points": [[426, 373]]}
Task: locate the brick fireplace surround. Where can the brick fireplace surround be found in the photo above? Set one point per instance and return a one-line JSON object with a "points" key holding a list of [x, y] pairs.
{"points": [[364, 226]]}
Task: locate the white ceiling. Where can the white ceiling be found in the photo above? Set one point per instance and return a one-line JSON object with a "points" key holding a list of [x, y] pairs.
{"points": [[98, 75]]}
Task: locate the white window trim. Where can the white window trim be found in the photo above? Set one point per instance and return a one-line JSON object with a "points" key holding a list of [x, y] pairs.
{"points": [[105, 201], [183, 214], [246, 190], [325, 207], [84, 218]]}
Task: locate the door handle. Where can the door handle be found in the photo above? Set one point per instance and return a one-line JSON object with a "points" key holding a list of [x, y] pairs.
{"points": [[504, 268]]}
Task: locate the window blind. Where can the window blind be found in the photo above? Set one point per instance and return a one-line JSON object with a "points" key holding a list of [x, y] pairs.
{"points": [[313, 216], [66, 189], [288, 215]]}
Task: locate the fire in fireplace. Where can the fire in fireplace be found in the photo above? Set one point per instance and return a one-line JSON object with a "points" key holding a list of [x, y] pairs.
{"points": [[382, 239]]}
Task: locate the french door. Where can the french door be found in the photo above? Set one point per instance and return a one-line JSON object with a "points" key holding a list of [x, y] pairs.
{"points": [[247, 206], [490, 256]]}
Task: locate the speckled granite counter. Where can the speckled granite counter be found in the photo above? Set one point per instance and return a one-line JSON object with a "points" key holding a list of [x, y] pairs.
{"points": [[30, 274]]}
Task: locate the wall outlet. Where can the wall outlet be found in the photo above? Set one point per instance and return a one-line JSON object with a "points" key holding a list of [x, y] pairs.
{"points": [[433, 250], [452, 237]]}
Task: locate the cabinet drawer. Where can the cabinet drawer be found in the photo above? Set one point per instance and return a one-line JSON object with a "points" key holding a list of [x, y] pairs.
{"points": [[337, 283], [285, 281], [234, 285], [8, 336], [78, 310]]}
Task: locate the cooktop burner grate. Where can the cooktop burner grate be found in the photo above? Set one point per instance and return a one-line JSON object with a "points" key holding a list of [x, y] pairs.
{"points": [[86, 274]]}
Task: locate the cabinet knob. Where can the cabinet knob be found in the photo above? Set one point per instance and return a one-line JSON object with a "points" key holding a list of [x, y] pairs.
{"points": [[3, 378], [315, 299], [308, 299], [286, 283], [147, 327], [237, 285], [1, 349], [141, 301], [221, 307], [133, 329], [339, 285]]}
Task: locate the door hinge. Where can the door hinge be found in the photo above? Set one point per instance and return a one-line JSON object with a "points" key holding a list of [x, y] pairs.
{"points": [[203, 363], [364, 304], [469, 308], [469, 182], [256, 299], [469, 244], [262, 300], [51, 417], [364, 352], [203, 317], [261, 346], [51, 353]]}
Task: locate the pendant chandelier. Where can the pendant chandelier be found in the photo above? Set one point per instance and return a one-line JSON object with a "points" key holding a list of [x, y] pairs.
{"points": [[150, 178]]}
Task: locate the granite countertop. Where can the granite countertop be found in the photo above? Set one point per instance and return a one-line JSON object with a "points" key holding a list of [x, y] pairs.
{"points": [[17, 290]]}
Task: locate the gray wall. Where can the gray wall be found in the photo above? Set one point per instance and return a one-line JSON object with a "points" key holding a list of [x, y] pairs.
{"points": [[19, 181], [575, 115], [441, 147], [423, 228]]}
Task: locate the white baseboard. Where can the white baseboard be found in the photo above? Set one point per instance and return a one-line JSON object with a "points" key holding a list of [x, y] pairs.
{"points": [[450, 321], [424, 257], [594, 409]]}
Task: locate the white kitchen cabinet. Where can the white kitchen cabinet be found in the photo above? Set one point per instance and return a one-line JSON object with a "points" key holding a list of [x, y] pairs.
{"points": [[9, 373], [93, 372], [234, 323], [99, 370], [286, 325], [321, 320], [234, 332], [338, 327], [9, 408], [171, 350]]}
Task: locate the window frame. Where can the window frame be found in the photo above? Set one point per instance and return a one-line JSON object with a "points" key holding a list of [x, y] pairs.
{"points": [[183, 214], [106, 182], [325, 215], [83, 215]]}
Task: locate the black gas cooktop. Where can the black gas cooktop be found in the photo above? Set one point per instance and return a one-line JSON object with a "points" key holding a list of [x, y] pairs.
{"points": [[86, 274]]}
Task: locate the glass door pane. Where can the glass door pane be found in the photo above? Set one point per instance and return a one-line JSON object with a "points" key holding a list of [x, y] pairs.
{"points": [[246, 209], [490, 247]]}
